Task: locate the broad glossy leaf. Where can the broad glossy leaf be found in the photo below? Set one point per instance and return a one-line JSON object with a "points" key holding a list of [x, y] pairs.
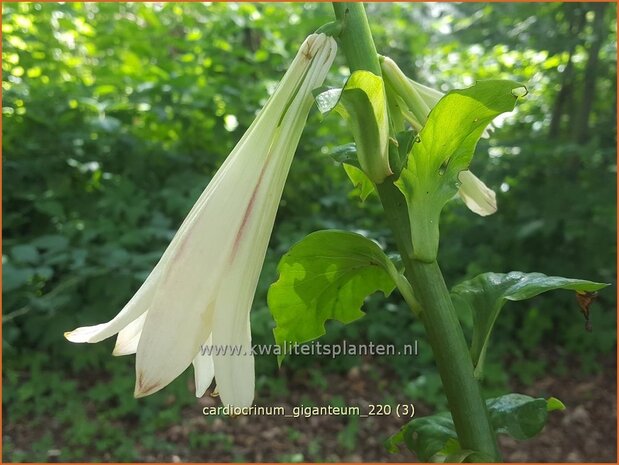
{"points": [[519, 416], [483, 297], [443, 148], [326, 276]]}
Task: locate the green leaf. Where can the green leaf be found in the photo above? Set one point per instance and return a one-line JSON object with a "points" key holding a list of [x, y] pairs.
{"points": [[326, 276], [405, 143], [553, 404], [399, 147], [443, 148], [25, 253], [362, 102], [460, 456], [453, 453], [426, 436], [393, 442], [363, 186], [327, 99], [519, 416], [346, 153], [434, 439], [14, 277], [51, 242], [483, 297]]}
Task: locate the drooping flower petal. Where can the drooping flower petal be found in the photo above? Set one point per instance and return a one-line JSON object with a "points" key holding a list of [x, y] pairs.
{"points": [[138, 304], [210, 270], [478, 197], [204, 369], [128, 337], [235, 369], [235, 372], [142, 299], [194, 278], [156, 368]]}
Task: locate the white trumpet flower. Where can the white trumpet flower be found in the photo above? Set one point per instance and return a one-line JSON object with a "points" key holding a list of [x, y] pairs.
{"points": [[420, 100], [201, 290]]}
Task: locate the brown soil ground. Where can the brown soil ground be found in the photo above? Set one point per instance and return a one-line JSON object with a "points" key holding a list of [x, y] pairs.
{"points": [[585, 432]]}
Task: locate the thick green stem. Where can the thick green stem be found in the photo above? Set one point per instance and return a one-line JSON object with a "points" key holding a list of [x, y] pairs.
{"points": [[439, 316], [454, 362], [356, 38]]}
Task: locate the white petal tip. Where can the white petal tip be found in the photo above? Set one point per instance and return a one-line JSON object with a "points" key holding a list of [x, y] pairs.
{"points": [[120, 351], [486, 207], [201, 389], [125, 347], [85, 334], [145, 387], [487, 212], [239, 404], [147, 391], [478, 197]]}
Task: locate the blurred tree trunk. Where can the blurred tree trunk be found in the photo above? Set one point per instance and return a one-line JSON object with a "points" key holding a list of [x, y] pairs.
{"points": [[577, 19], [567, 85], [582, 114]]}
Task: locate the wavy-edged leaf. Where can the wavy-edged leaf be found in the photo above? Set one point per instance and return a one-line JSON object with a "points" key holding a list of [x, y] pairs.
{"points": [[326, 276], [483, 297]]}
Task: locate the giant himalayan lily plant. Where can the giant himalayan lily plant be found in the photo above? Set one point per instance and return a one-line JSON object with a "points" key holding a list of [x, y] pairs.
{"points": [[416, 101], [201, 290]]}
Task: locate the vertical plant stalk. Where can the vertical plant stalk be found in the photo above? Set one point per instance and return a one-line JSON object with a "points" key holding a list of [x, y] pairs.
{"points": [[439, 316]]}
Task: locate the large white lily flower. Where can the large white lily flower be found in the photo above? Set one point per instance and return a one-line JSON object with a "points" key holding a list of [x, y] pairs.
{"points": [[200, 293], [420, 100]]}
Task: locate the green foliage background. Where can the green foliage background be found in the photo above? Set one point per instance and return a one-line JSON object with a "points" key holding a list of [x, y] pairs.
{"points": [[115, 117]]}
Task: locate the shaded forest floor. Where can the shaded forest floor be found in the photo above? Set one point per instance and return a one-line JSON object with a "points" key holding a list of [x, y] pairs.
{"points": [[585, 432]]}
